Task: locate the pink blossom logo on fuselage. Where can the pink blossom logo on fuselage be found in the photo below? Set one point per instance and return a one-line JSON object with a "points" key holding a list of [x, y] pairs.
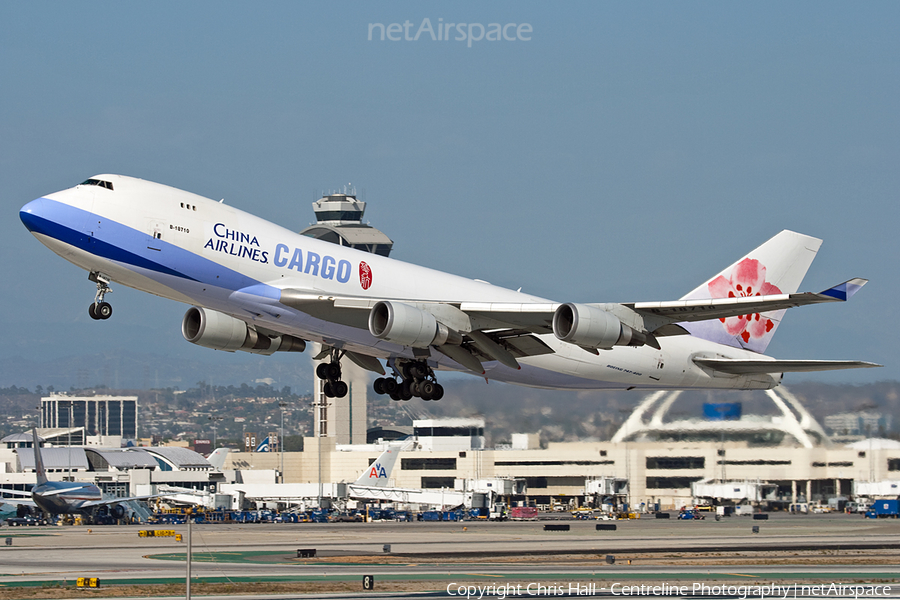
{"points": [[747, 279], [365, 275]]}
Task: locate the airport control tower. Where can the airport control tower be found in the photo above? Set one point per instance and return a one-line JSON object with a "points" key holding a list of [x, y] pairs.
{"points": [[339, 221]]}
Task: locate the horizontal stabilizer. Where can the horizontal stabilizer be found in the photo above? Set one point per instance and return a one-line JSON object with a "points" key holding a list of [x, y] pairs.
{"points": [[750, 367], [65, 490]]}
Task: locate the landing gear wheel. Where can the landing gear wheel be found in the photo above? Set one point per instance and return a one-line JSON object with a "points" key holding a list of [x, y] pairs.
{"points": [[339, 388], [322, 371], [327, 390], [395, 395], [438, 392], [406, 391], [426, 390], [415, 389], [378, 386], [333, 370], [92, 312], [390, 387], [103, 310]]}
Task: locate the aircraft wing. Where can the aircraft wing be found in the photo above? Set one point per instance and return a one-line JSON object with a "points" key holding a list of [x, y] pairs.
{"points": [[493, 331], [720, 308], [658, 318], [17, 501], [750, 367], [15, 492], [354, 311], [108, 501]]}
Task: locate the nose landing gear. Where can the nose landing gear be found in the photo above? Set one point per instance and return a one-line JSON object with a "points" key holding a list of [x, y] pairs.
{"points": [[331, 373], [416, 378], [100, 310]]}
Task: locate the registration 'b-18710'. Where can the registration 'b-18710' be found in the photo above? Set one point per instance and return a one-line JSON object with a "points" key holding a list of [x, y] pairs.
{"points": [[257, 287]]}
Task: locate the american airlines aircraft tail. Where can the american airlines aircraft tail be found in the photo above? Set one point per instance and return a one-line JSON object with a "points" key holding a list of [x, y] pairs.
{"points": [[217, 458], [379, 472]]}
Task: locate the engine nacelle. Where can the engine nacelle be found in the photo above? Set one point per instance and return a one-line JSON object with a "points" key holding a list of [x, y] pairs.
{"points": [[212, 329], [593, 327], [407, 325]]}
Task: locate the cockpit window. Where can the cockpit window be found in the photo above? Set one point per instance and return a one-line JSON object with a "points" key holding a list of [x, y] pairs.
{"points": [[105, 184]]}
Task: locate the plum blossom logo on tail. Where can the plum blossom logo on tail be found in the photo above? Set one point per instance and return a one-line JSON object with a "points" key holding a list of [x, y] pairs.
{"points": [[747, 279], [365, 275]]}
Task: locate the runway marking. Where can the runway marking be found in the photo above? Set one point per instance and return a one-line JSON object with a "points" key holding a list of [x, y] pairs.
{"points": [[742, 575]]}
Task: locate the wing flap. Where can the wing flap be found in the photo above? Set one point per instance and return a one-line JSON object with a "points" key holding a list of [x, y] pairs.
{"points": [[752, 367], [535, 317]]}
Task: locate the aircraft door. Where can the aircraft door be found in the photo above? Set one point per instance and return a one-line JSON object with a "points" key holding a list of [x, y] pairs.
{"points": [[156, 229]]}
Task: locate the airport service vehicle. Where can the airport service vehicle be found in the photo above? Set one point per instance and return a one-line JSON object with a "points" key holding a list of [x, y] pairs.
{"points": [[25, 521], [257, 287], [882, 509], [743, 510], [691, 515], [523, 513]]}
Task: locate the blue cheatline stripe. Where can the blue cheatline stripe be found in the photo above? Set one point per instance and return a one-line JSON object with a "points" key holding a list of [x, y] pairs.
{"points": [[118, 242], [93, 245]]}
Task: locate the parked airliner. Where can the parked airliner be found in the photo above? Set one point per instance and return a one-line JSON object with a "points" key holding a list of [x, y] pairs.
{"points": [[66, 497], [257, 287]]}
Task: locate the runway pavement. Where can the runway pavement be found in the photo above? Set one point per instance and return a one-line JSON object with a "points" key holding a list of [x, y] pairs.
{"points": [[788, 549]]}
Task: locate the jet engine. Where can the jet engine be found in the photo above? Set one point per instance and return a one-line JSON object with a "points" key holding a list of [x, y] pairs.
{"points": [[593, 327], [117, 512], [409, 326], [218, 331]]}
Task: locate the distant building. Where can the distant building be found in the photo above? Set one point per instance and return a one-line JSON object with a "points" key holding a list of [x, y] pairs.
{"points": [[861, 423], [98, 415]]}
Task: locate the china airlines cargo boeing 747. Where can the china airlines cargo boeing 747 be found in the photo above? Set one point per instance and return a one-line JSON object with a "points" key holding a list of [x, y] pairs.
{"points": [[257, 287]]}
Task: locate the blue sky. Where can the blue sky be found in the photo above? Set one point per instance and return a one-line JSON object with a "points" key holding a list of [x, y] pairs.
{"points": [[627, 151]]}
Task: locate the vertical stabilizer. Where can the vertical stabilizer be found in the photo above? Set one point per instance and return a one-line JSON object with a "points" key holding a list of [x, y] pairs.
{"points": [[38, 461], [217, 458], [379, 472], [776, 267]]}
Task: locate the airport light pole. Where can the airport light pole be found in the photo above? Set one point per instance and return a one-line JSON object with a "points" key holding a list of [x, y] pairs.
{"points": [[282, 405], [215, 429], [187, 585]]}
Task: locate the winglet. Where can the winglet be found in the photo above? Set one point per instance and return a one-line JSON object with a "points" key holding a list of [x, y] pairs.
{"points": [[845, 291]]}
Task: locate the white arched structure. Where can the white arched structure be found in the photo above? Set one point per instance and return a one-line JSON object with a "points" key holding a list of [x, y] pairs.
{"points": [[649, 419]]}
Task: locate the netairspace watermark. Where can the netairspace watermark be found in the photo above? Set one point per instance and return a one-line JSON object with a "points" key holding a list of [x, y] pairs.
{"points": [[445, 32], [744, 592]]}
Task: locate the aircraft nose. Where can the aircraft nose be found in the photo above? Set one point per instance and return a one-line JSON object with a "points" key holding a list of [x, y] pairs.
{"points": [[32, 215]]}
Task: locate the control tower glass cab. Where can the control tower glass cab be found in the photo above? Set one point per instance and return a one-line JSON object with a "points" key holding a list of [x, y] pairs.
{"points": [[339, 221]]}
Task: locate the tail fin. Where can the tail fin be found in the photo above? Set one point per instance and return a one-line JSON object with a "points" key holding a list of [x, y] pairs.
{"points": [[379, 472], [38, 461], [217, 458], [776, 267]]}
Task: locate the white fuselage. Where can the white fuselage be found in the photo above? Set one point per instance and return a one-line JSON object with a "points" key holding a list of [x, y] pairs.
{"points": [[194, 250]]}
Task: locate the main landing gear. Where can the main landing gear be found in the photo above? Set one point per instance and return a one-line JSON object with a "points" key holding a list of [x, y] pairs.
{"points": [[100, 310], [416, 379], [331, 373]]}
